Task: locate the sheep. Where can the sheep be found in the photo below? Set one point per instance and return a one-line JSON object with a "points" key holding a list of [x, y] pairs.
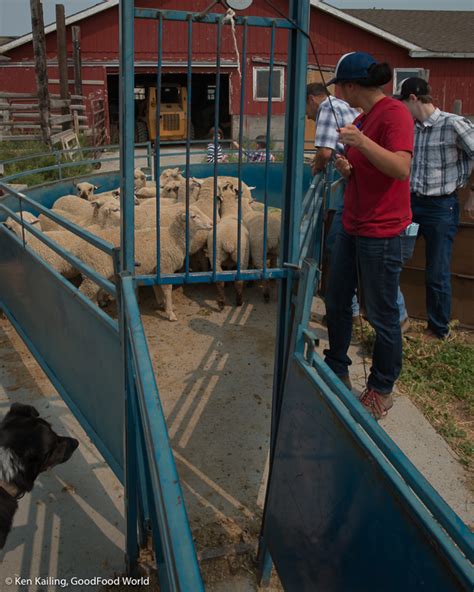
{"points": [[170, 189], [172, 254], [69, 207], [194, 190], [139, 179], [170, 175], [227, 242], [64, 239], [146, 192], [254, 222], [85, 190]]}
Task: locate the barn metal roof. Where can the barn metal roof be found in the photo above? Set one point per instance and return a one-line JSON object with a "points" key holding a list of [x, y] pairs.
{"points": [[436, 30], [430, 43]]}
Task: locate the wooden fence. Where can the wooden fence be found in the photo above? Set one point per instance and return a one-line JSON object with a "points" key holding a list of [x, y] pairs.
{"points": [[20, 117]]}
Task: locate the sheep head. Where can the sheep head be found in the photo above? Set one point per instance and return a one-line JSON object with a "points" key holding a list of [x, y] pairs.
{"points": [[85, 190], [197, 220], [139, 179], [170, 189]]}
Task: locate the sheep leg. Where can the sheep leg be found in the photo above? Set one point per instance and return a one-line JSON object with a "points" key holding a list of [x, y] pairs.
{"points": [[168, 290], [239, 292], [158, 290], [220, 295]]}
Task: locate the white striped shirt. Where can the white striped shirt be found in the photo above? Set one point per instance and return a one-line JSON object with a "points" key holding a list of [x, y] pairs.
{"points": [[443, 155], [210, 153]]}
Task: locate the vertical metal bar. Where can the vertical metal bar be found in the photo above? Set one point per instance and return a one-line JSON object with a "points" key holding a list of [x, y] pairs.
{"points": [[158, 143], [292, 196], [127, 127], [188, 134], [149, 158], [127, 157], [216, 136], [241, 136], [267, 148]]}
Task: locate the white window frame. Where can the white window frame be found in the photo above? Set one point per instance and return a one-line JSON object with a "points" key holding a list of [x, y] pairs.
{"points": [[279, 99], [417, 72]]}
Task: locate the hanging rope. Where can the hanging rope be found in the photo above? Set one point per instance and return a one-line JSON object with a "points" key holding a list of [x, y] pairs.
{"points": [[229, 19]]}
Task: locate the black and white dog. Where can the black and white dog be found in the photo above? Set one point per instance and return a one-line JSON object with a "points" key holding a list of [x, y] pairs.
{"points": [[28, 446]]}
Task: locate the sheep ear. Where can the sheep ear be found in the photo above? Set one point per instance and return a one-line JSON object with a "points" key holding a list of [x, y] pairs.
{"points": [[182, 216], [250, 188], [96, 187]]}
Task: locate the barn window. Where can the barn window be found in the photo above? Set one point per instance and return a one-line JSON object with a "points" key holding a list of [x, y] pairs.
{"points": [[260, 84], [401, 74]]}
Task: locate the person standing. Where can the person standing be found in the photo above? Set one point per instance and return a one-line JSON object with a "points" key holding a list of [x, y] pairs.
{"points": [[369, 253], [442, 162], [323, 108]]}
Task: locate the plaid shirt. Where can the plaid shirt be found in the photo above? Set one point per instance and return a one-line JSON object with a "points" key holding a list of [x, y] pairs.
{"points": [[444, 154], [327, 134], [258, 156]]}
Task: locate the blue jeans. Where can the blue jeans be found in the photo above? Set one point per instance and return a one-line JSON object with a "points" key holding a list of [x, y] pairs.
{"points": [[380, 263], [438, 218], [408, 245]]}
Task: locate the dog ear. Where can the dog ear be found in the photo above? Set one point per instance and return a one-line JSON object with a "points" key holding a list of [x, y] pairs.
{"points": [[25, 410]]}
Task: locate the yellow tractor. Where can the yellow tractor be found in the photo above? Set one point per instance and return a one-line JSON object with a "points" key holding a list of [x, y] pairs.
{"points": [[173, 112]]}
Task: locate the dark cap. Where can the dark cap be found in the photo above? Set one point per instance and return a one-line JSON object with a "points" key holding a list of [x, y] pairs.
{"points": [[412, 86], [353, 66]]}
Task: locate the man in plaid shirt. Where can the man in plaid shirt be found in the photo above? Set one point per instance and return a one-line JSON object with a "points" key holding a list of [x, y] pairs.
{"points": [[321, 109], [442, 162]]}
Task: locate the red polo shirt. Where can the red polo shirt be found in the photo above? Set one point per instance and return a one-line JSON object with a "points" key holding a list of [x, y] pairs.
{"points": [[376, 205]]}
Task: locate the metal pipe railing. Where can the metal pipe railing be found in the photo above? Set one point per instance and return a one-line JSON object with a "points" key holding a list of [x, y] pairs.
{"points": [[74, 261], [179, 568], [74, 228]]}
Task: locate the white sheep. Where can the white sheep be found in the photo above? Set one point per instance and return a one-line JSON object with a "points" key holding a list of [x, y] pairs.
{"points": [[171, 175], [139, 179], [194, 190], [65, 239], [85, 190], [227, 242], [254, 222], [70, 207], [172, 254]]}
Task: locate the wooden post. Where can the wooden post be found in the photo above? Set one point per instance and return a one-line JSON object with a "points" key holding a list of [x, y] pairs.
{"points": [[76, 47], [62, 60], [41, 69]]}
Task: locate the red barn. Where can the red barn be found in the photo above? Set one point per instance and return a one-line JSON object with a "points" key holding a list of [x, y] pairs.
{"points": [[438, 45]]}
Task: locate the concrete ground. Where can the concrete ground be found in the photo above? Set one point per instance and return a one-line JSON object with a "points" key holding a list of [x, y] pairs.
{"points": [[214, 372]]}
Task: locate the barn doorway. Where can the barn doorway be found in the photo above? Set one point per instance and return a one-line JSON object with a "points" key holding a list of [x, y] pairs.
{"points": [[202, 102]]}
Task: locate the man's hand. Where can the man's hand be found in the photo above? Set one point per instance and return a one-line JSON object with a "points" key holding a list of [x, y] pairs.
{"points": [[343, 166], [321, 160], [351, 135], [469, 205]]}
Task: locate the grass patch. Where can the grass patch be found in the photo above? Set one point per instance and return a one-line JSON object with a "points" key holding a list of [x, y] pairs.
{"points": [[439, 378], [10, 150]]}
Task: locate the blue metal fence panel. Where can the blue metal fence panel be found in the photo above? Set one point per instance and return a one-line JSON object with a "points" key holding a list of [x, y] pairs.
{"points": [[76, 344], [339, 517]]}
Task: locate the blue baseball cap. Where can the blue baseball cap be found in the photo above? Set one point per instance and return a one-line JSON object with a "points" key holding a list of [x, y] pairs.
{"points": [[353, 66]]}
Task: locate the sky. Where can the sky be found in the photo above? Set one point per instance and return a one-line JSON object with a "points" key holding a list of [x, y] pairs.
{"points": [[15, 16]]}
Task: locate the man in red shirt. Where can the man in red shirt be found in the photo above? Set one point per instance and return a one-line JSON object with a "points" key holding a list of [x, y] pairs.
{"points": [[369, 250]]}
